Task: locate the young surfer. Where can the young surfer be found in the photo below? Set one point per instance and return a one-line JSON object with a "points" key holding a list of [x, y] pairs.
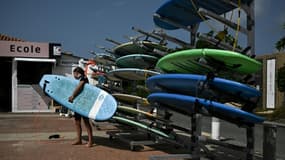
{"points": [[78, 73]]}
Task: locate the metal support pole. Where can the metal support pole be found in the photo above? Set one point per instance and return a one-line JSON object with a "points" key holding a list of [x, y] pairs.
{"points": [[194, 29], [196, 122], [113, 41], [250, 142], [214, 41], [269, 141], [147, 33], [250, 22], [208, 13], [195, 132], [174, 40]]}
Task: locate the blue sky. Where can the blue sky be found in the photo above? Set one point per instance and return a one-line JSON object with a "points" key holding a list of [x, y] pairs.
{"points": [[81, 25]]}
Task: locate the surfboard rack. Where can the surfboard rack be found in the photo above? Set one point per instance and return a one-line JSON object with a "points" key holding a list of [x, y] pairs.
{"points": [[270, 130], [146, 137], [214, 41], [137, 138], [198, 142], [248, 106], [126, 137], [195, 133]]}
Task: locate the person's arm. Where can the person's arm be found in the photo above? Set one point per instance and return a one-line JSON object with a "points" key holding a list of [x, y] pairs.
{"points": [[76, 91]]}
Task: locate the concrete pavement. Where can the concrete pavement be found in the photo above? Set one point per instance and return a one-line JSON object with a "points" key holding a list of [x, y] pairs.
{"points": [[26, 136]]}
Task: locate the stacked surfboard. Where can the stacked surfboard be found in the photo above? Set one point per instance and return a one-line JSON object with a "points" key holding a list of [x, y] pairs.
{"points": [[140, 47], [194, 81], [135, 63]]}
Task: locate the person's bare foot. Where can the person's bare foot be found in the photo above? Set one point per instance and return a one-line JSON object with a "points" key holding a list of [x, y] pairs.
{"points": [[77, 143], [89, 144]]}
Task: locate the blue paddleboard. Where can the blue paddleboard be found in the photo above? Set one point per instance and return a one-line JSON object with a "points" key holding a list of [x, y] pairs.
{"points": [[92, 102], [199, 86], [185, 105], [184, 12]]}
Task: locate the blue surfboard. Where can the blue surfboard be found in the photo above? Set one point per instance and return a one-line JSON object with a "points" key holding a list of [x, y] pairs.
{"points": [[199, 86], [185, 104], [184, 12], [92, 102]]}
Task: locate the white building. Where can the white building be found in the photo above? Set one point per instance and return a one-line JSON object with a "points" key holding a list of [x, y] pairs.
{"points": [[22, 66]]}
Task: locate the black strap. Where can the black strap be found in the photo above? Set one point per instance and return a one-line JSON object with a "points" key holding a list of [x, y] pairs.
{"points": [[44, 87]]}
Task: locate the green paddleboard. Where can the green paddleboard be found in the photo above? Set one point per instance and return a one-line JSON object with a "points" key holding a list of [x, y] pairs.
{"points": [[203, 61], [141, 61], [142, 126]]}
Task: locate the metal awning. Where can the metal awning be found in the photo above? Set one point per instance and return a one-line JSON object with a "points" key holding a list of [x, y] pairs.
{"points": [[35, 60]]}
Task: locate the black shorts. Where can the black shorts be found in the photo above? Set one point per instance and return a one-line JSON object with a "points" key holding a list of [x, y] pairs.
{"points": [[78, 117]]}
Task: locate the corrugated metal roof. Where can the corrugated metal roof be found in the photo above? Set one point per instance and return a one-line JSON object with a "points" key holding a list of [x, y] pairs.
{"points": [[4, 37]]}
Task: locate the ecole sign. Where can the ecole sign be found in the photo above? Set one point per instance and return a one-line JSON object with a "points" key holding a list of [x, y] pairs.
{"points": [[24, 49]]}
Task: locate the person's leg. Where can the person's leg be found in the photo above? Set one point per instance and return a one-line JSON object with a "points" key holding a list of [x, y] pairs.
{"points": [[78, 128], [89, 132]]}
